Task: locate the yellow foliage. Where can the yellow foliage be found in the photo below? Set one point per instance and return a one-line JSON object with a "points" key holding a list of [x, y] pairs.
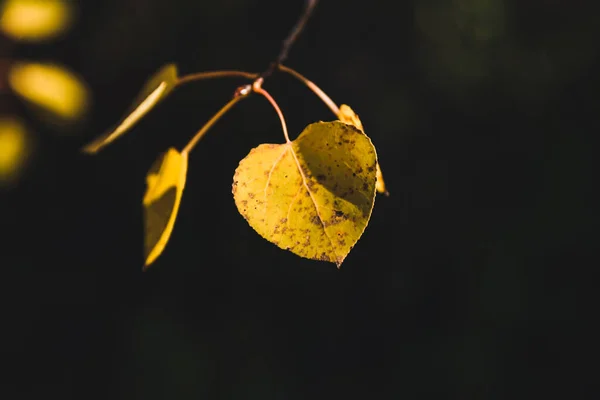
{"points": [[154, 90], [35, 20], [312, 196], [13, 149], [51, 87], [165, 182]]}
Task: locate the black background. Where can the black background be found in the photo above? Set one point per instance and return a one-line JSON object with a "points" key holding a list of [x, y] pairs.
{"points": [[469, 281]]}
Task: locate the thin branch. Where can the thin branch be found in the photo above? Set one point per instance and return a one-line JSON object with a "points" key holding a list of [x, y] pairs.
{"points": [[292, 37], [256, 87], [296, 30], [215, 74]]}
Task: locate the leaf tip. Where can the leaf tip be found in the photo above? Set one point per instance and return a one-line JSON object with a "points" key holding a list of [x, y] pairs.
{"points": [[90, 148], [339, 259], [147, 264]]}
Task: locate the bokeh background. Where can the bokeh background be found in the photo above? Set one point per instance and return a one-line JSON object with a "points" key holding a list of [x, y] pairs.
{"points": [[470, 281]]}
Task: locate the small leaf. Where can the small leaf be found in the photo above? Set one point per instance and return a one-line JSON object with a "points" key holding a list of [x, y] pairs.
{"points": [[165, 182], [50, 87], [155, 89], [35, 20], [15, 145], [312, 196], [348, 116]]}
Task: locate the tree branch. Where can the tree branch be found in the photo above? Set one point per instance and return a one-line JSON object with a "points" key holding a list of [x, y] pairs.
{"points": [[291, 38]]}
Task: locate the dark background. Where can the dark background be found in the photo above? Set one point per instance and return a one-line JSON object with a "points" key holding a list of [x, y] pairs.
{"points": [[468, 283]]}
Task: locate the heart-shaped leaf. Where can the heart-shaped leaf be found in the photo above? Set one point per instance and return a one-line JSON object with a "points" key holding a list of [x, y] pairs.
{"points": [[348, 116], [312, 196], [155, 89], [165, 182]]}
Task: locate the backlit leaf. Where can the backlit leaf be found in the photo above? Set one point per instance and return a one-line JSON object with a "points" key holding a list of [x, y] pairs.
{"points": [[348, 116], [312, 196], [165, 182], [155, 89], [51, 87]]}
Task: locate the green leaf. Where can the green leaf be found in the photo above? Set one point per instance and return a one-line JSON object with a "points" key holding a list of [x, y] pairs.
{"points": [[348, 116], [165, 182], [155, 89], [312, 196]]}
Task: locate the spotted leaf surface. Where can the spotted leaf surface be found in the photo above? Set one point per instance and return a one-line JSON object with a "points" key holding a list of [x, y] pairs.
{"points": [[348, 116], [312, 196]]}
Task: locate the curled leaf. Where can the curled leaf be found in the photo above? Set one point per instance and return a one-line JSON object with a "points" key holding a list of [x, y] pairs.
{"points": [[155, 89], [165, 182], [312, 196], [348, 116]]}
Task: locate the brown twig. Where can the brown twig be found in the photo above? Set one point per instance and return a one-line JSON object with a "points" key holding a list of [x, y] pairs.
{"points": [[256, 87], [291, 38]]}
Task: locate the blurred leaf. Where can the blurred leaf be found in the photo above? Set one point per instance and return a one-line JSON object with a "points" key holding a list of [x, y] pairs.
{"points": [[13, 149], [348, 116], [155, 89], [35, 20], [51, 87], [165, 182], [312, 196]]}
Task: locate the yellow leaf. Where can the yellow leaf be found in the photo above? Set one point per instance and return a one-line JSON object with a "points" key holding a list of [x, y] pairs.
{"points": [[35, 20], [164, 187], [14, 143], [51, 87], [312, 196], [348, 116], [155, 89], [380, 185]]}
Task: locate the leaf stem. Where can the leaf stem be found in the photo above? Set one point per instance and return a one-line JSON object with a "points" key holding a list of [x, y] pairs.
{"points": [[240, 94], [198, 76], [312, 86], [256, 88]]}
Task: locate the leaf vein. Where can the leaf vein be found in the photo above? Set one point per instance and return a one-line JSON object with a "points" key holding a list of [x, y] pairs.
{"points": [[287, 217], [337, 259], [269, 176]]}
